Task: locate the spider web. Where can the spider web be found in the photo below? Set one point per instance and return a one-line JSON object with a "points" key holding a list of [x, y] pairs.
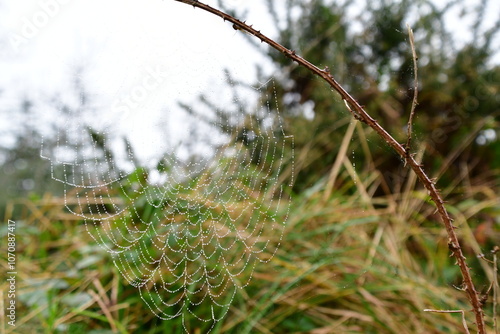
{"points": [[188, 232]]}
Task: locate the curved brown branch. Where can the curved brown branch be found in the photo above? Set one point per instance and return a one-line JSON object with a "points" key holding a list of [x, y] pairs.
{"points": [[358, 111]]}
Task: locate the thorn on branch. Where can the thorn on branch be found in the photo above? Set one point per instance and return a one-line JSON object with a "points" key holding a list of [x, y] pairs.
{"points": [[453, 246], [463, 287], [408, 155], [483, 299], [353, 112]]}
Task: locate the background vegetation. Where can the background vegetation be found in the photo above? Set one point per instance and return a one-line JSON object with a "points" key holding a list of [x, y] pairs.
{"points": [[363, 251]]}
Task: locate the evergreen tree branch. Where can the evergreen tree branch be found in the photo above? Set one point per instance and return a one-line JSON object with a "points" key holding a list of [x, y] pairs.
{"points": [[359, 113]]}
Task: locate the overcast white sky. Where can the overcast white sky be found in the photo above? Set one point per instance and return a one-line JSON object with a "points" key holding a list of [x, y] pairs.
{"points": [[126, 47]]}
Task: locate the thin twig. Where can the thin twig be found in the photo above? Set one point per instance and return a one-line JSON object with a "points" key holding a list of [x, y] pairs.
{"points": [[464, 323], [360, 114], [495, 287], [415, 90]]}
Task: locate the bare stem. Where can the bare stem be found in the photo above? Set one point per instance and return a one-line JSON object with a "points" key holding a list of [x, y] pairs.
{"points": [[415, 90], [495, 287], [359, 113], [464, 323]]}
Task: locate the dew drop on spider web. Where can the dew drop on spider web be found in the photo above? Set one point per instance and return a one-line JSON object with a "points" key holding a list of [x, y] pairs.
{"points": [[189, 228]]}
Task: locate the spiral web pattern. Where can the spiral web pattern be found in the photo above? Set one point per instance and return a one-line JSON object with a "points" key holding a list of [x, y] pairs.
{"points": [[189, 241]]}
